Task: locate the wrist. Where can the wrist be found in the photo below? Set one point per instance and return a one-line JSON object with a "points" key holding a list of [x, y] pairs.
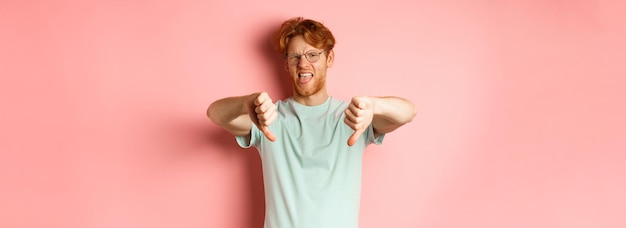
{"points": [[376, 105], [247, 102]]}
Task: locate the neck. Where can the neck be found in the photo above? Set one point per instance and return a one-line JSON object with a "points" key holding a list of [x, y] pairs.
{"points": [[311, 100]]}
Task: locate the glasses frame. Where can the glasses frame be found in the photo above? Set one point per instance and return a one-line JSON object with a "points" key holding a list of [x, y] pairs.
{"points": [[306, 55]]}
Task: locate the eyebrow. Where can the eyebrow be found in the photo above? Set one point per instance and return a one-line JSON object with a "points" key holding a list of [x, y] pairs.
{"points": [[305, 51]]}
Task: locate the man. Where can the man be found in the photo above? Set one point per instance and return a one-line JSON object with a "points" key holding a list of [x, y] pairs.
{"points": [[311, 144]]}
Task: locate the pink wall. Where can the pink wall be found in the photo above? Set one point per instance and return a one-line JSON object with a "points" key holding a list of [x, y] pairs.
{"points": [[521, 123]]}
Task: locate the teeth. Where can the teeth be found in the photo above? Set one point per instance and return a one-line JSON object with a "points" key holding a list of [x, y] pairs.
{"points": [[305, 74]]}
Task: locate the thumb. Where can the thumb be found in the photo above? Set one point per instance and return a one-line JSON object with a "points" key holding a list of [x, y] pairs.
{"points": [[359, 102], [266, 131], [354, 137], [360, 105]]}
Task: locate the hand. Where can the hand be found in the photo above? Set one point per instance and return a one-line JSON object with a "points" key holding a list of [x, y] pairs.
{"points": [[359, 115], [262, 112]]}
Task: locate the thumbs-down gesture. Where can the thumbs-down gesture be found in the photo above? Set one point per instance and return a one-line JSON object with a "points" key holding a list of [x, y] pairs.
{"points": [[262, 112], [359, 116]]}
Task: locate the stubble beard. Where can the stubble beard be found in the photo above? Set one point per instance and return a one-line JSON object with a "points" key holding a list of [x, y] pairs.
{"points": [[318, 85]]}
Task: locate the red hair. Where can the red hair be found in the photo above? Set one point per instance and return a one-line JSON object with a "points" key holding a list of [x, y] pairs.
{"points": [[313, 32]]}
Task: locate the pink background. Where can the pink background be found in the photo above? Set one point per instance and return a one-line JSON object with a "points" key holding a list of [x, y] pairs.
{"points": [[521, 110]]}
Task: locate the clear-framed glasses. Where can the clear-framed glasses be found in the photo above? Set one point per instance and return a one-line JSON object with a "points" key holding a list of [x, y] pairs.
{"points": [[311, 56]]}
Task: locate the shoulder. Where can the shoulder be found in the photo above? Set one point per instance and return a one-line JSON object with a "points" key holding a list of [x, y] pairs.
{"points": [[336, 102], [286, 101], [338, 106], [285, 105]]}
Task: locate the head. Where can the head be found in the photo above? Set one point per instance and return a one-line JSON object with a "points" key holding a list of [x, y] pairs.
{"points": [[307, 47]]}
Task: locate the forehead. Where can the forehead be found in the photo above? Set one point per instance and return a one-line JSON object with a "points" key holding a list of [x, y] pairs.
{"points": [[298, 44]]}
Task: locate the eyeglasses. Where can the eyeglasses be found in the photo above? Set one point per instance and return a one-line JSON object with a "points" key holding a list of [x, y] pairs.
{"points": [[311, 56]]}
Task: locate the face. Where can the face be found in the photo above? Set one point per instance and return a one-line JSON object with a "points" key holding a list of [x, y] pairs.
{"points": [[308, 78]]}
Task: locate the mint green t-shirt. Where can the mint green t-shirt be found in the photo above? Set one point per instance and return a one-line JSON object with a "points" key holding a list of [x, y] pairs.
{"points": [[312, 177]]}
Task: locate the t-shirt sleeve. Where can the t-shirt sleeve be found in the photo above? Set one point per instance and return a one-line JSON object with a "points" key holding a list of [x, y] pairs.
{"points": [[251, 140], [370, 136]]}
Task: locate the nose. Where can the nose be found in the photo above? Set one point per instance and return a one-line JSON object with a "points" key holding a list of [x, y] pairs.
{"points": [[302, 61]]}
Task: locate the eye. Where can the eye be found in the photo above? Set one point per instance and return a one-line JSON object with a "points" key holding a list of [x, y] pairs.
{"points": [[312, 54]]}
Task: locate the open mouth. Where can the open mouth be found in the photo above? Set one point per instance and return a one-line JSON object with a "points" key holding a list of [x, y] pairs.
{"points": [[304, 78]]}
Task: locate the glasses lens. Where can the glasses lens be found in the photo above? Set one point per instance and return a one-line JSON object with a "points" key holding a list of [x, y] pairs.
{"points": [[312, 56], [293, 59]]}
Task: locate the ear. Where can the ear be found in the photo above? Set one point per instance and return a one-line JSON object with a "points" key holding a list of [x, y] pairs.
{"points": [[330, 58]]}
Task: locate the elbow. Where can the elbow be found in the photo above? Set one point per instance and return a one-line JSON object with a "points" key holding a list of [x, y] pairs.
{"points": [[409, 110], [211, 113], [411, 113]]}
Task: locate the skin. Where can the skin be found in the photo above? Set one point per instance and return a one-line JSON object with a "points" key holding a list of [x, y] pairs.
{"points": [[237, 114], [314, 92]]}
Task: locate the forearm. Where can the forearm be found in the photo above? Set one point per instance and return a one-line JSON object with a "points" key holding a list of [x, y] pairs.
{"points": [[231, 114], [392, 112], [226, 109]]}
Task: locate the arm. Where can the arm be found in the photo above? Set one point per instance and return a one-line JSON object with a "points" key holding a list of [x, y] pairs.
{"points": [[390, 113], [386, 114], [237, 114]]}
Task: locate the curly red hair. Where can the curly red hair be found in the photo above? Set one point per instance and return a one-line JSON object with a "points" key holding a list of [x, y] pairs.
{"points": [[314, 33]]}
